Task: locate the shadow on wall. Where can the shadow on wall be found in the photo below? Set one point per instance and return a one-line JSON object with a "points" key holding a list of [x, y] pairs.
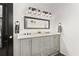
{"points": [[63, 47]]}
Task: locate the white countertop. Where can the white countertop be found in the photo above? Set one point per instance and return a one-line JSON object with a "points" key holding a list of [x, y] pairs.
{"points": [[22, 36]]}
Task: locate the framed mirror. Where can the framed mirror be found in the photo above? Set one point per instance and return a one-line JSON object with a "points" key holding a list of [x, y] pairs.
{"points": [[36, 23]]}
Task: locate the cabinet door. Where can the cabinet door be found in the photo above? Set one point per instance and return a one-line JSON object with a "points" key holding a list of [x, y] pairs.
{"points": [[44, 46], [26, 47], [51, 45], [56, 42], [36, 46]]}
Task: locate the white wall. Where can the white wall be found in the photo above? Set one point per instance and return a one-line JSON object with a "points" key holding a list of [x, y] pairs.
{"points": [[21, 9], [68, 15]]}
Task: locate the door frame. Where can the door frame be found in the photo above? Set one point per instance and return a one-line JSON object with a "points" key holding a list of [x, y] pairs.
{"points": [[7, 27]]}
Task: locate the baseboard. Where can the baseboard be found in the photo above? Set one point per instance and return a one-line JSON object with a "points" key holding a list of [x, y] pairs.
{"points": [[53, 54], [60, 54]]}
